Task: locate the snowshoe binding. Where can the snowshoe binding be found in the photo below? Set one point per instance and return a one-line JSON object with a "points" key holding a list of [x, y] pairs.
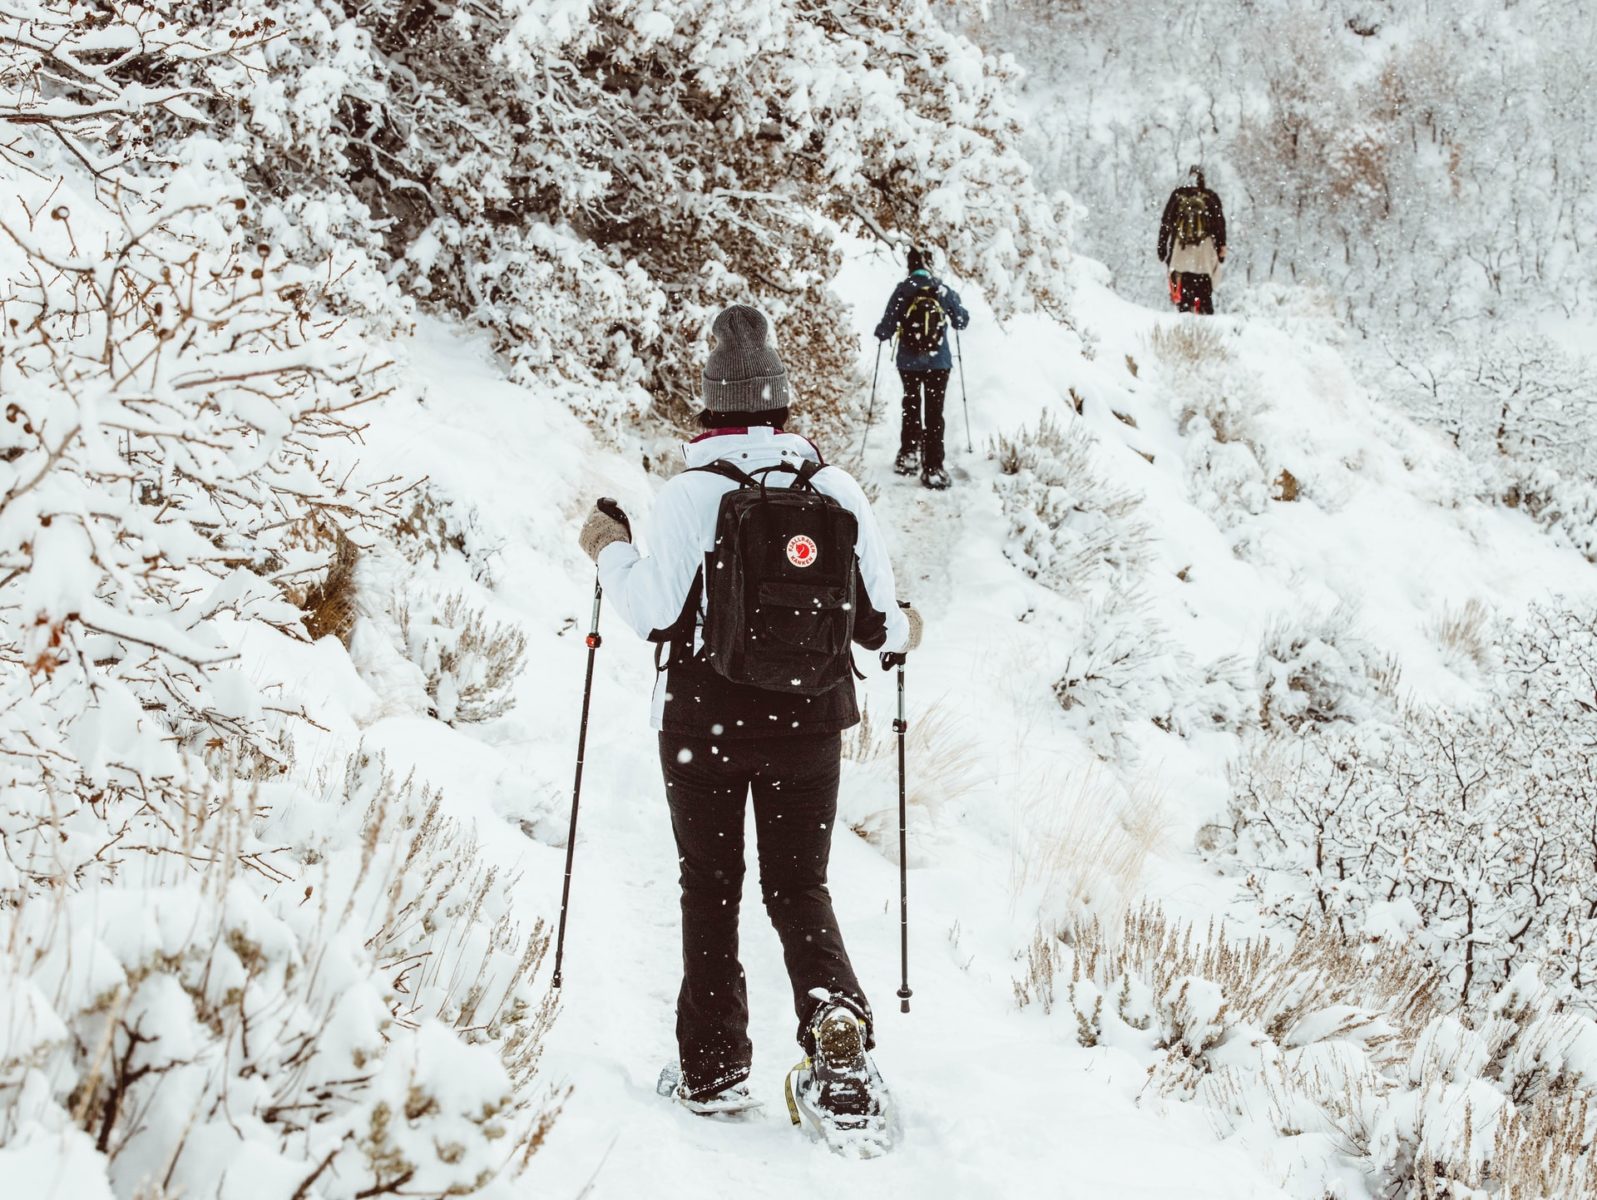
{"points": [[935, 478], [907, 462], [836, 1095], [730, 1102]]}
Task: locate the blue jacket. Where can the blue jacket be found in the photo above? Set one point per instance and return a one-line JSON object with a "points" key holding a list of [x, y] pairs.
{"points": [[908, 360]]}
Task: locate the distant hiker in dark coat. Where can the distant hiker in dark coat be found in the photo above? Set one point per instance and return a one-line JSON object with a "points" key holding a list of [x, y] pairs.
{"points": [[719, 739], [919, 312], [1192, 244]]}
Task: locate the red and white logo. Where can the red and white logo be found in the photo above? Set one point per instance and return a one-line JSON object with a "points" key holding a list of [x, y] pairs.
{"points": [[801, 550]]}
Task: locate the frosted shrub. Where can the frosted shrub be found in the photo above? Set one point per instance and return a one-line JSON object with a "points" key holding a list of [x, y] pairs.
{"points": [[1520, 408], [1216, 404], [1188, 344], [1463, 634], [1123, 671], [437, 525], [175, 403], [948, 770], [1465, 832], [1314, 668], [469, 662], [1220, 695], [1349, 1055], [1080, 844], [1069, 527], [194, 980], [218, 1000]]}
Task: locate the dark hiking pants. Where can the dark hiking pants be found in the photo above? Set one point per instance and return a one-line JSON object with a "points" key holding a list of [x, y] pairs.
{"points": [[794, 781], [923, 415], [1194, 292]]}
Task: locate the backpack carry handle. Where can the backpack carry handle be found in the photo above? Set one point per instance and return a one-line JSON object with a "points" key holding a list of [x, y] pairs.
{"points": [[743, 478]]}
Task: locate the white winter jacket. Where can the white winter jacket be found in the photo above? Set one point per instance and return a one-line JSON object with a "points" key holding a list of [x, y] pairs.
{"points": [[650, 591]]}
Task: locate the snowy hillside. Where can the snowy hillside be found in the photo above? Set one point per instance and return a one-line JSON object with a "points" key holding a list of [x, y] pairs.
{"points": [[1021, 810]]}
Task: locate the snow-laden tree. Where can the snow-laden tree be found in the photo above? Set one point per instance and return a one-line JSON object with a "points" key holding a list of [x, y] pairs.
{"points": [[171, 400], [1420, 162], [1469, 832], [1521, 409], [215, 963], [592, 181]]}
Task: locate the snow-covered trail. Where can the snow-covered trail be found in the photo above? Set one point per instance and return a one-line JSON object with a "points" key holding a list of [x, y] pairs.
{"points": [[987, 1095]]}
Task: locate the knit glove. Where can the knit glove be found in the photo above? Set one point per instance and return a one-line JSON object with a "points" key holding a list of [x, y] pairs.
{"points": [[605, 524], [916, 625]]}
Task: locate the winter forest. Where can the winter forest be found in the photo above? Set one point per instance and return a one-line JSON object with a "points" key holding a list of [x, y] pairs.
{"points": [[1250, 773]]}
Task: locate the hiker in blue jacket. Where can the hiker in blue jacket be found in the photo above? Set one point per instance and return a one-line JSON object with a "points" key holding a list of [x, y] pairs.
{"points": [[919, 313]]}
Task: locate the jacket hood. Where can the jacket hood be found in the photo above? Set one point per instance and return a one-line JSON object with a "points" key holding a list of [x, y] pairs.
{"points": [[750, 449]]}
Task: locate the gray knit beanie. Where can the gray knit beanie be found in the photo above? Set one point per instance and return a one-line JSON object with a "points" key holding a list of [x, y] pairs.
{"points": [[743, 373]]}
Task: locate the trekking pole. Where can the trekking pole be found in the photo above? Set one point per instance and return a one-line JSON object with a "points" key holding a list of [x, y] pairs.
{"points": [[963, 398], [870, 413], [594, 642], [901, 726]]}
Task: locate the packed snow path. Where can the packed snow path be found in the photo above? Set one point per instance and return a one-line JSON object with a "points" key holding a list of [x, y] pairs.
{"points": [[989, 1097]]}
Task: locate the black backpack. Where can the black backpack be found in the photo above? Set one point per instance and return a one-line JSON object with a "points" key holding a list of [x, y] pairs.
{"points": [[924, 320], [1192, 219], [779, 587]]}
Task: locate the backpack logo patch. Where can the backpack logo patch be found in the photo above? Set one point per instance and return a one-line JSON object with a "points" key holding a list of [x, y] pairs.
{"points": [[801, 550]]}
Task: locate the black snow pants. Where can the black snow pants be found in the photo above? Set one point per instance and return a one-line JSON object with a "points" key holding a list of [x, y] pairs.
{"points": [[794, 781], [923, 415], [1193, 292]]}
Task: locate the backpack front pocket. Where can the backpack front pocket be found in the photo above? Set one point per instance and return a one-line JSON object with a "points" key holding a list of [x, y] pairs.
{"points": [[816, 620]]}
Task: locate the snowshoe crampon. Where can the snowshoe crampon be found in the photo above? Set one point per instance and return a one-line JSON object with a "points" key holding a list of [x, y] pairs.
{"points": [[836, 1095], [729, 1103]]}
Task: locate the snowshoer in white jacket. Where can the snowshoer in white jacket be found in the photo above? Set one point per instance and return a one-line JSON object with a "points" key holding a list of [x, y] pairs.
{"points": [[720, 739]]}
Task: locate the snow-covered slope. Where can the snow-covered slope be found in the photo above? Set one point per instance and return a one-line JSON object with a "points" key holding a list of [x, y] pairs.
{"points": [[1006, 785]]}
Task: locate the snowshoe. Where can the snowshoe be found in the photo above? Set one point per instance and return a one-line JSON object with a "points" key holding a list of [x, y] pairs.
{"points": [[907, 462], [836, 1095], [731, 1102], [935, 478]]}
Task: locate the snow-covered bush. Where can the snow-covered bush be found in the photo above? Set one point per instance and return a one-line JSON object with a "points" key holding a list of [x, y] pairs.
{"points": [[205, 984], [1123, 671], [1314, 668], [592, 181], [436, 524], [1070, 528], [1349, 1055], [174, 404], [1521, 409], [1189, 345], [1465, 832], [1463, 634], [225, 1006], [947, 757], [469, 661], [1217, 404]]}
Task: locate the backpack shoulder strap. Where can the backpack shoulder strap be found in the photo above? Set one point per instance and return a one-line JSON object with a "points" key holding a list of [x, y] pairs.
{"points": [[727, 471], [679, 634]]}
